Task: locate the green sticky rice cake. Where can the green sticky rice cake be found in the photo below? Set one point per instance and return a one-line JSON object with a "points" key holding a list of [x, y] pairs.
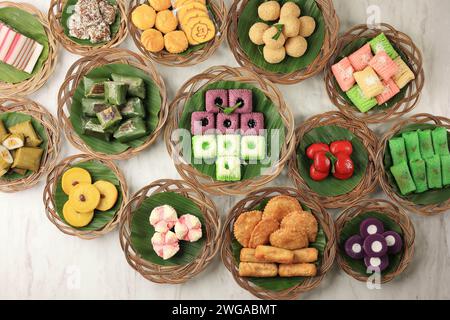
{"points": [[204, 146], [419, 174], [228, 145], [425, 143], [440, 141], [445, 166], [228, 169], [412, 145], [382, 43], [434, 172], [358, 98], [398, 150], [253, 147], [403, 178]]}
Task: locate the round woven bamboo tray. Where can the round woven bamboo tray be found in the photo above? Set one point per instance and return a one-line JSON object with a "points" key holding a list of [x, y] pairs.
{"points": [[217, 7], [424, 210], [85, 65], [224, 73], [180, 273], [369, 181], [34, 83], [49, 156], [329, 44], [390, 210], [54, 17], [414, 59], [49, 197], [251, 201]]}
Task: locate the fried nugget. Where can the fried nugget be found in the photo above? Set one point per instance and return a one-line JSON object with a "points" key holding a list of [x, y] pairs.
{"points": [[289, 239], [301, 220], [280, 206], [244, 225], [262, 232]]}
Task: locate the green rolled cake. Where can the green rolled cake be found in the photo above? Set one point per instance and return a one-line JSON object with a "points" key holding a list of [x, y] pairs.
{"points": [[440, 141], [425, 143], [403, 178], [419, 174], [382, 43], [398, 150], [358, 98], [445, 166], [434, 172]]}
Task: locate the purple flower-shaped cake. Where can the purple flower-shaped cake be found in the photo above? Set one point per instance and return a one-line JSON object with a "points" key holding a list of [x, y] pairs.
{"points": [[202, 121], [216, 98], [227, 123], [252, 123]]}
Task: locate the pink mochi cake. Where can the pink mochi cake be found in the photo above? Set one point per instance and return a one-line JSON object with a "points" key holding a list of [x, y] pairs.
{"points": [[215, 98], [244, 96], [383, 65], [202, 122], [390, 90], [252, 123], [227, 123], [343, 72], [361, 57]]}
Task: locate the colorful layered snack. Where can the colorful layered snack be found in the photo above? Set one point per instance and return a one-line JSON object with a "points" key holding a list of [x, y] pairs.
{"points": [[204, 146], [354, 247], [412, 145], [94, 87], [258, 270], [360, 101], [382, 43], [361, 57], [203, 122], [252, 123], [377, 263], [394, 242], [115, 92], [403, 178], [135, 85], [369, 82], [253, 147], [134, 107], [419, 174], [398, 150], [390, 90], [434, 172], [445, 165], [404, 74], [228, 145], [131, 129], [383, 65], [227, 123], [216, 100], [343, 72], [228, 169], [91, 106], [425, 143], [440, 141], [243, 98]]}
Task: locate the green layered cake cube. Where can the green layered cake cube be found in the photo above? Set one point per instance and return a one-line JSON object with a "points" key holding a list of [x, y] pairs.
{"points": [[131, 129], [109, 117], [253, 147], [134, 107], [90, 106], [115, 92], [398, 150], [136, 86], [445, 167], [228, 145], [382, 43], [403, 178], [434, 172], [425, 143], [204, 146], [360, 101], [440, 141], [412, 145], [228, 169], [92, 127], [419, 174], [94, 87]]}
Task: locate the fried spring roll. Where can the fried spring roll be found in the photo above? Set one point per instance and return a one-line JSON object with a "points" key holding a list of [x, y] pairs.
{"points": [[260, 270], [305, 255], [248, 255], [297, 270], [273, 254]]}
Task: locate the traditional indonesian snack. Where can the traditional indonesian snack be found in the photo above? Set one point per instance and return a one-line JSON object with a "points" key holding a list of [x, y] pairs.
{"points": [[373, 74], [86, 198], [420, 160], [374, 244], [92, 20], [173, 26], [170, 229], [276, 242], [284, 33]]}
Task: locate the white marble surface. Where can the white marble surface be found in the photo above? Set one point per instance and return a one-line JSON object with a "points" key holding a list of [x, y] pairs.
{"points": [[38, 261]]}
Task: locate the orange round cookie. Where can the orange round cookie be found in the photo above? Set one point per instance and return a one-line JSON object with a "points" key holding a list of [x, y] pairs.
{"points": [[301, 220], [280, 206], [199, 30], [262, 232], [244, 225]]}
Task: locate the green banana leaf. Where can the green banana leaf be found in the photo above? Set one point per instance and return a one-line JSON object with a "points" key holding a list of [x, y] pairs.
{"points": [[352, 47], [261, 103], [249, 16], [433, 196], [331, 186], [142, 232], [152, 104], [68, 10], [12, 118], [352, 227], [28, 25], [279, 283], [98, 172]]}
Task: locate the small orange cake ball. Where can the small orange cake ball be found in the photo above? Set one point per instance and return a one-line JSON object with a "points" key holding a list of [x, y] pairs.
{"points": [[166, 21], [176, 41], [160, 5], [143, 17], [152, 40]]}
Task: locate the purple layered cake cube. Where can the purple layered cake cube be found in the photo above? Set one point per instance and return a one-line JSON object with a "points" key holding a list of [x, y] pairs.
{"points": [[216, 99], [227, 123], [202, 122], [243, 96], [252, 123]]}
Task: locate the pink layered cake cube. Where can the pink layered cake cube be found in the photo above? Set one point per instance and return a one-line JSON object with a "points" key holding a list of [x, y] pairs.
{"points": [[242, 96], [216, 99], [390, 90], [361, 57], [227, 123], [343, 72], [202, 122], [383, 65], [252, 123]]}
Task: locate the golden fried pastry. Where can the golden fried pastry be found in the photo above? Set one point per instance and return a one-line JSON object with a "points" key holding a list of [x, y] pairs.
{"points": [[166, 21], [301, 220], [248, 255], [143, 17], [289, 239], [160, 5], [176, 41], [261, 270], [244, 225], [261, 233], [306, 255], [273, 254], [152, 40], [280, 206], [297, 270]]}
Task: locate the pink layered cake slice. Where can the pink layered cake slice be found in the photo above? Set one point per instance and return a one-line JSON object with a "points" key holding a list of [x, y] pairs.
{"points": [[361, 57], [383, 65], [343, 72], [390, 90], [18, 50]]}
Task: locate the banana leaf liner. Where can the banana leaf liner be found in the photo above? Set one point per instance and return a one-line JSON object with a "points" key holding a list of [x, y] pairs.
{"points": [[367, 178], [75, 75], [53, 142], [275, 73], [57, 15], [194, 54], [393, 217], [19, 82], [53, 191], [152, 267], [281, 288], [429, 203], [199, 82], [403, 102]]}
